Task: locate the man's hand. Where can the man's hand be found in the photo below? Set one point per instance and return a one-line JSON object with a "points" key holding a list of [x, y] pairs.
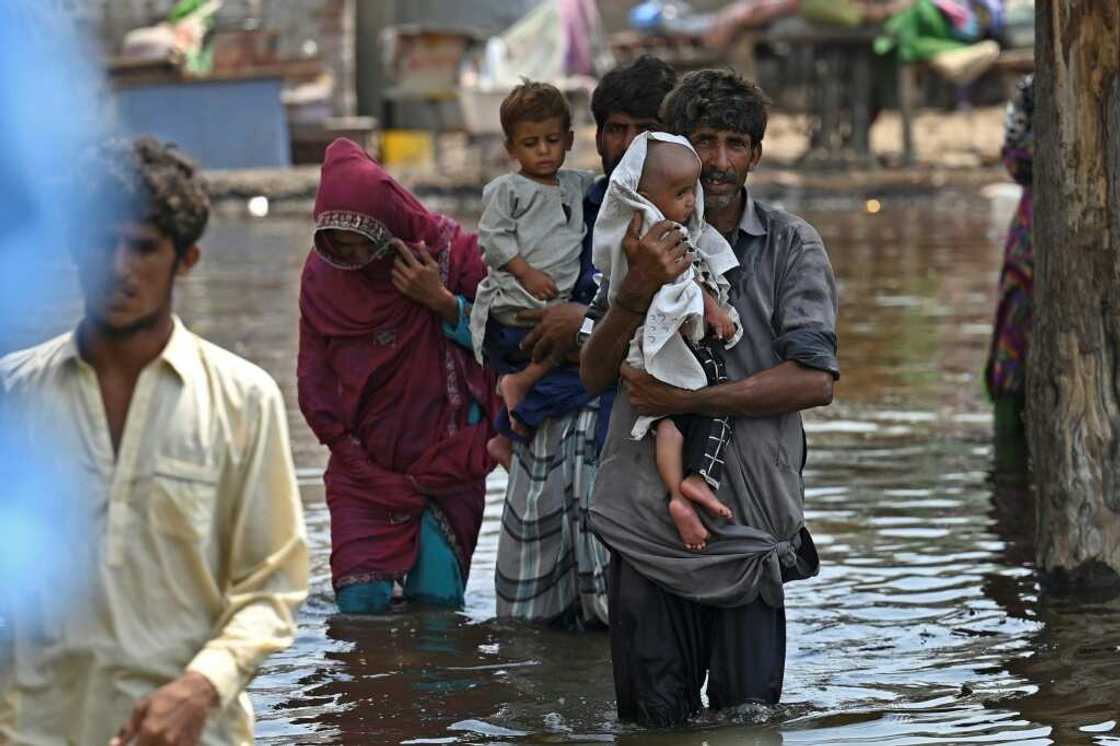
{"points": [[656, 258], [172, 715], [553, 335], [651, 397], [538, 283]]}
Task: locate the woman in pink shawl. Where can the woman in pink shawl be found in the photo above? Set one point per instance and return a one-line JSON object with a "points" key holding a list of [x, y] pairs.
{"points": [[387, 382]]}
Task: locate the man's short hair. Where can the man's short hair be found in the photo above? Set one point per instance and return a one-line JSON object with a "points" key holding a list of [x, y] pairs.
{"points": [[635, 90], [718, 99], [534, 102], [156, 183]]}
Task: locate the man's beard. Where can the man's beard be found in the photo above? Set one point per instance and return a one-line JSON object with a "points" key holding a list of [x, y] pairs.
{"points": [[141, 324], [719, 201], [608, 168]]}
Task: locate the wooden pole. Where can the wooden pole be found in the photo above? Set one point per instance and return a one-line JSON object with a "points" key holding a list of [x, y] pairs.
{"points": [[1073, 380]]}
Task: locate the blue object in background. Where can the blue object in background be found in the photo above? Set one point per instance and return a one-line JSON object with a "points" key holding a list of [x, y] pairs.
{"points": [[669, 16], [48, 120], [646, 16], [234, 123]]}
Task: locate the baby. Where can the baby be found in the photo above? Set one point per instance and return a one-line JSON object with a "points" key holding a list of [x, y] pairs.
{"points": [[677, 343], [531, 233]]}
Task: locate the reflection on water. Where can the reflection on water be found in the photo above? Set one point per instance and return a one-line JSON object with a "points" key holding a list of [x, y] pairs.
{"points": [[924, 626]]}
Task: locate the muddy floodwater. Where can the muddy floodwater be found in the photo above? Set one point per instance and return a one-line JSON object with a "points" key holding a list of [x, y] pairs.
{"points": [[925, 625]]}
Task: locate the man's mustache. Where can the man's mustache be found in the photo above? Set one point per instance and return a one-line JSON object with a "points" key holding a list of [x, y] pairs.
{"points": [[716, 176]]}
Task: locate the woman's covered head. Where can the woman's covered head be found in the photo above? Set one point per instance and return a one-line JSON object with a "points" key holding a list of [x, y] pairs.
{"points": [[360, 209], [350, 249], [537, 123]]}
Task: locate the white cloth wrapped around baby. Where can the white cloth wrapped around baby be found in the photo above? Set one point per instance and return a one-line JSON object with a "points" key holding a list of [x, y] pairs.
{"points": [[677, 310]]}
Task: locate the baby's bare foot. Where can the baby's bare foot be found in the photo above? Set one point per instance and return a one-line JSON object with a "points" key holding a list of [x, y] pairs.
{"points": [[692, 531], [696, 490]]}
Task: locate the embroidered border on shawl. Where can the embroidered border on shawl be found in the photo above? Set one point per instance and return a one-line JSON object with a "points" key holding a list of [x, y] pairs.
{"points": [[364, 225], [454, 397], [367, 577]]}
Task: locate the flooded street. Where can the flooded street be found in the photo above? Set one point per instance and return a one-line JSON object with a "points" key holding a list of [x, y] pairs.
{"points": [[925, 624]]}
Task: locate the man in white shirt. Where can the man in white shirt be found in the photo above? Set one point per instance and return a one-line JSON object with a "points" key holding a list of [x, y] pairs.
{"points": [[193, 558]]}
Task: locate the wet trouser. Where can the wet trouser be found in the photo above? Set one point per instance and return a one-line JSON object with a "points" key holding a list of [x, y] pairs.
{"points": [[662, 647], [435, 578]]}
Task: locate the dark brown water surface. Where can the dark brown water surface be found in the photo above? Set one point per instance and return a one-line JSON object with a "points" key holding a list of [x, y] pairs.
{"points": [[924, 626]]}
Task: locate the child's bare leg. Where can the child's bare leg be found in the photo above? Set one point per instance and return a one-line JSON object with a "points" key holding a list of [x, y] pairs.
{"points": [[695, 489], [670, 465], [514, 387], [692, 531], [500, 449]]}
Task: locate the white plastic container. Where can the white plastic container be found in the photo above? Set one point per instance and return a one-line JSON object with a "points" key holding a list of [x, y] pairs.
{"points": [[480, 109]]}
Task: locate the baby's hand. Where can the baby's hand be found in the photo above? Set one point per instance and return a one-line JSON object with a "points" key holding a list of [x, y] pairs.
{"points": [[722, 325], [539, 284], [717, 319]]}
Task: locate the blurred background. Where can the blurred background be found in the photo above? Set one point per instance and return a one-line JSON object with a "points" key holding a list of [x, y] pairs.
{"points": [[856, 82]]}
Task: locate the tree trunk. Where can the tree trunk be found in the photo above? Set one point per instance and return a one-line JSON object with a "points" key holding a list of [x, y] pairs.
{"points": [[1073, 397]]}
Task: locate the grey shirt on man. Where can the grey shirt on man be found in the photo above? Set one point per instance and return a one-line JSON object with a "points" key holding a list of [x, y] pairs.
{"points": [[785, 294]]}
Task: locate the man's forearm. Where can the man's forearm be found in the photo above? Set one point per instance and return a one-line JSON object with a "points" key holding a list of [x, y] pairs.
{"points": [[785, 388], [604, 351]]}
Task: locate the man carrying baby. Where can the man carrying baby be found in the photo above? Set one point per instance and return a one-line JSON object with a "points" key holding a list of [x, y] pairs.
{"points": [[678, 616], [686, 323]]}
